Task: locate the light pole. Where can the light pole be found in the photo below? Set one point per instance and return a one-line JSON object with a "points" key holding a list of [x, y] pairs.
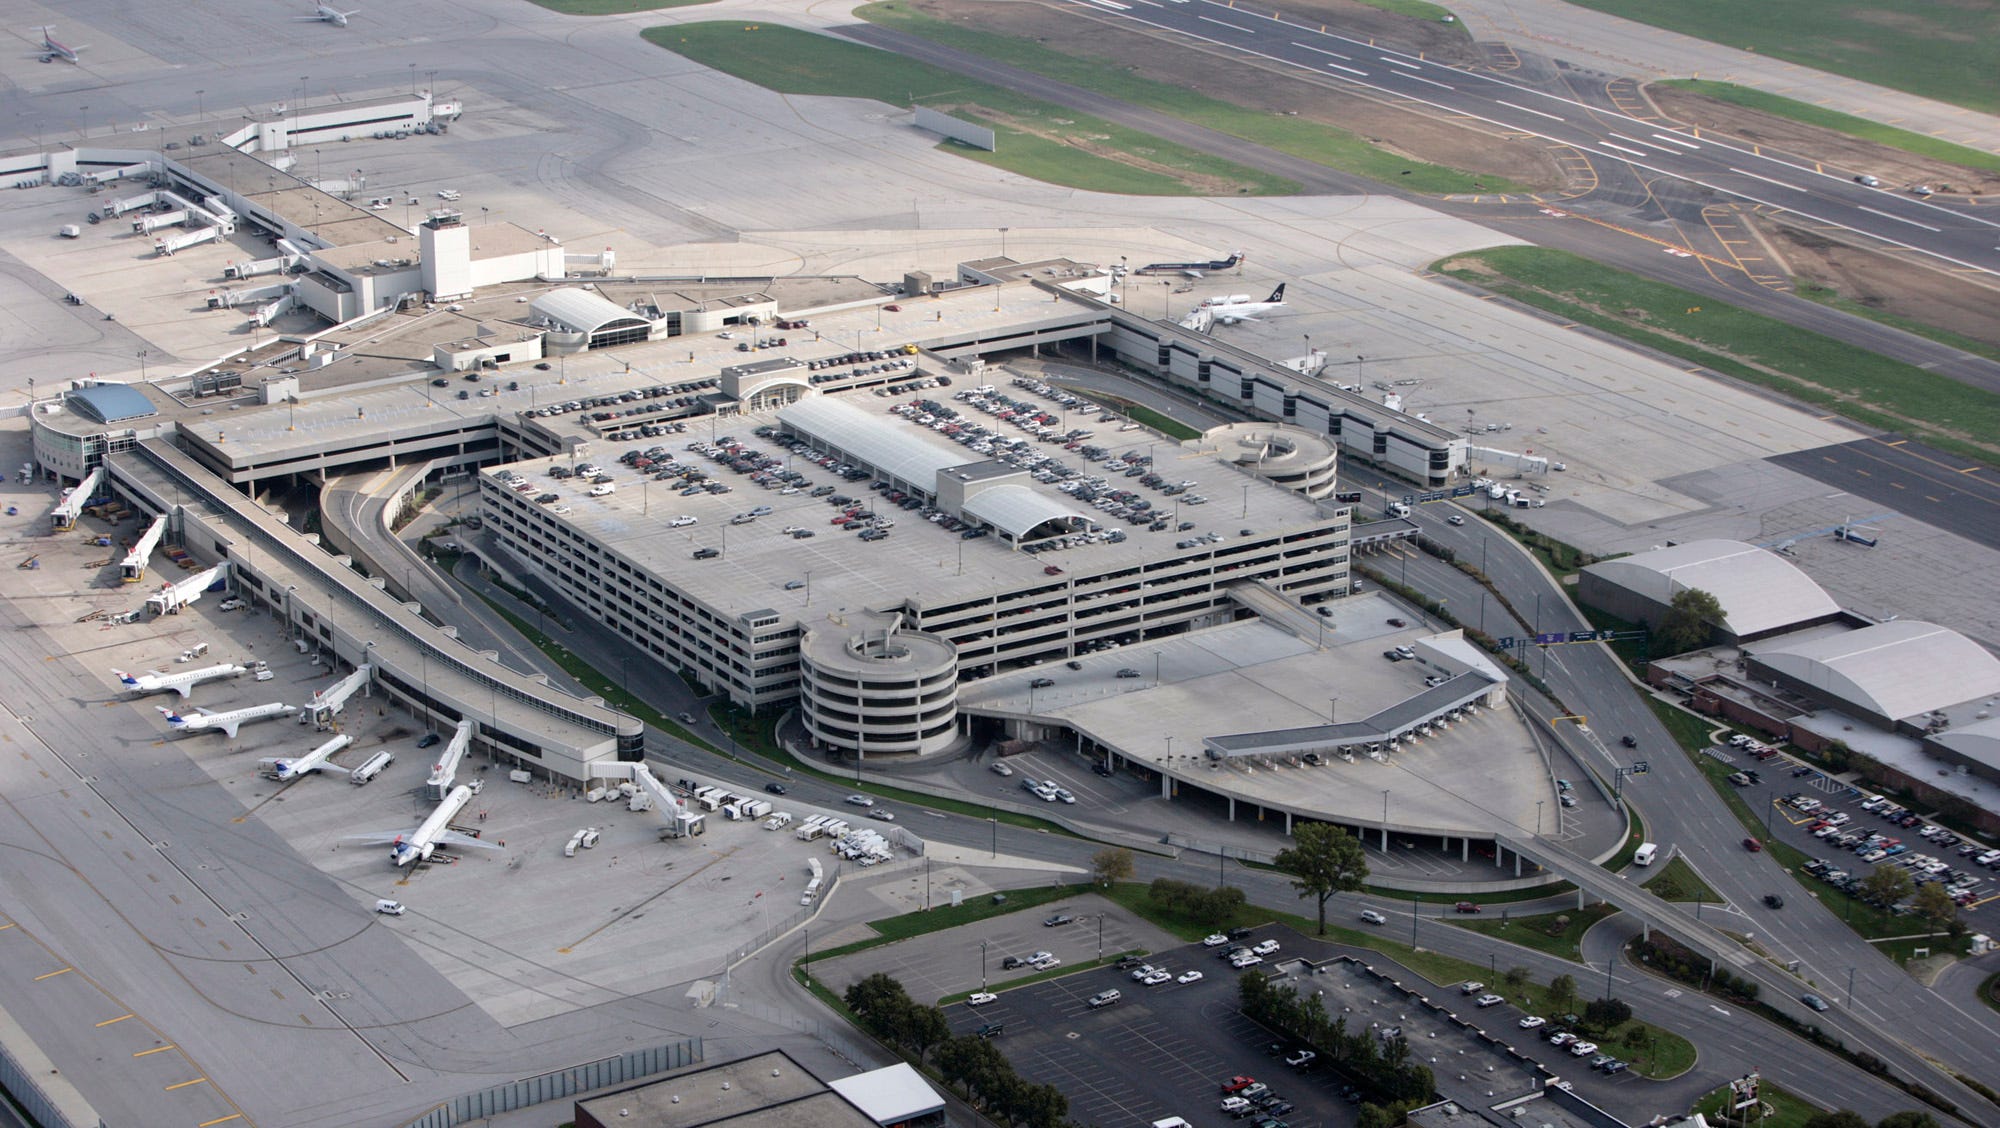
{"points": [[200, 116], [982, 965], [1538, 817], [1003, 241], [994, 824], [1332, 706], [1385, 820]]}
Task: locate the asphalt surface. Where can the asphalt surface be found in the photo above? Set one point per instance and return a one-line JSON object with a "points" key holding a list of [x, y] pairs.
{"points": [[1939, 489], [1953, 235]]}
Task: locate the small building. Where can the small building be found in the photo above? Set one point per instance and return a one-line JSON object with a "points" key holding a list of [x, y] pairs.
{"points": [[893, 1097], [769, 1090]]}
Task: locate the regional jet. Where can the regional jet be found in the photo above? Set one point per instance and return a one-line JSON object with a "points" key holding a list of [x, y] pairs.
{"points": [[410, 846], [326, 13], [1229, 313], [182, 683], [284, 771], [228, 722]]}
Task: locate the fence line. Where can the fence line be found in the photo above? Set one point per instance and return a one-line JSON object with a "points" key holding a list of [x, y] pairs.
{"points": [[562, 1083]]}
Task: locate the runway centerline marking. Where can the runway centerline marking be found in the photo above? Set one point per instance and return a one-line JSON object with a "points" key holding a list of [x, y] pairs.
{"points": [[1765, 179], [1526, 110], [1668, 137]]}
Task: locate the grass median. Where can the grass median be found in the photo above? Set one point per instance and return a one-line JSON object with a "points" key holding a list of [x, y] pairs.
{"points": [[614, 7], [1318, 142], [1038, 139], [1811, 367], [1558, 934], [1941, 51], [1920, 144]]}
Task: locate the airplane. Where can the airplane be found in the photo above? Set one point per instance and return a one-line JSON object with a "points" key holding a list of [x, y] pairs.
{"points": [[409, 846], [326, 13], [52, 49], [284, 771], [1191, 269], [1234, 312], [228, 722], [183, 683]]}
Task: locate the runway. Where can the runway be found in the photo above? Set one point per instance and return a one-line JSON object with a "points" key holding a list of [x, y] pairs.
{"points": [[1953, 235]]}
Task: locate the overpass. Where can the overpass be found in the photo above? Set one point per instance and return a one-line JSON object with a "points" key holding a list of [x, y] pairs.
{"points": [[1778, 989]]}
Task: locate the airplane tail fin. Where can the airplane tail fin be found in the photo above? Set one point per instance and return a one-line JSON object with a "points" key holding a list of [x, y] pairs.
{"points": [[173, 718], [126, 678], [1277, 295]]}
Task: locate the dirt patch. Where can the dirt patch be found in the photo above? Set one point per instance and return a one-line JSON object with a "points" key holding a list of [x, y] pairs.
{"points": [[1887, 282], [1228, 78], [1812, 143]]}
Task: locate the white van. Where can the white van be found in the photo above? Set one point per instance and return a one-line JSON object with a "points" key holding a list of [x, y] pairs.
{"points": [[1645, 854], [371, 767]]}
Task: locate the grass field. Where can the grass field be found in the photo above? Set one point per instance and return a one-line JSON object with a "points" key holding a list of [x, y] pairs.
{"points": [[1677, 881], [1804, 365], [1950, 52], [1313, 141], [1834, 299], [1786, 1110], [1558, 934], [614, 7], [1036, 139], [1922, 145]]}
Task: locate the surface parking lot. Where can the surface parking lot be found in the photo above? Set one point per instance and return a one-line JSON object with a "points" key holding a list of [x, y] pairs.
{"points": [[1159, 1051]]}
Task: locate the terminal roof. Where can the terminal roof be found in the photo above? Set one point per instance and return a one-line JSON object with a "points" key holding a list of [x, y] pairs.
{"points": [[111, 403]]}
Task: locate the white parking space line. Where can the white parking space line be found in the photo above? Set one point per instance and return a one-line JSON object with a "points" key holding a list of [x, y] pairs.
{"points": [[1766, 179], [1899, 219], [1321, 51], [1526, 110]]}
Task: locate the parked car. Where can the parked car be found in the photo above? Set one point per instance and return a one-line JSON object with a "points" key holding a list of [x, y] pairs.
{"points": [[1059, 918], [980, 998], [1752, 845], [1465, 907], [1105, 998], [1533, 1021], [1301, 1059], [1484, 1001], [1214, 940], [1189, 977], [428, 740]]}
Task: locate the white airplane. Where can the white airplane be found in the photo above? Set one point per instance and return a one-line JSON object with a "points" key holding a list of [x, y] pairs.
{"points": [[326, 13], [228, 722], [1232, 312], [284, 771], [52, 49], [183, 683], [409, 846]]}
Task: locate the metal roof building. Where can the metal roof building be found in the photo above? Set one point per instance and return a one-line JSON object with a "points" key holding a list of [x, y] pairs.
{"points": [[602, 321], [898, 454], [110, 403], [1760, 592], [1017, 511], [1889, 672]]}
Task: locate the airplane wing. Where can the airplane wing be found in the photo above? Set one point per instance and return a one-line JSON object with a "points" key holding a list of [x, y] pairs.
{"points": [[186, 690], [455, 839], [228, 727], [380, 837]]}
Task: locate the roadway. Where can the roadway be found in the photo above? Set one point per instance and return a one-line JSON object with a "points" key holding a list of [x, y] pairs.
{"points": [[1954, 235]]}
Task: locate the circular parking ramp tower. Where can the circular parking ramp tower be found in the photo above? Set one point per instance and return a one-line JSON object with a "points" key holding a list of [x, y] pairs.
{"points": [[879, 689]]}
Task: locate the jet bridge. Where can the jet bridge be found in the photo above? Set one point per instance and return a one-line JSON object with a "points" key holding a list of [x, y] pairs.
{"points": [[134, 568], [327, 703], [63, 516], [648, 793], [172, 597], [445, 771]]}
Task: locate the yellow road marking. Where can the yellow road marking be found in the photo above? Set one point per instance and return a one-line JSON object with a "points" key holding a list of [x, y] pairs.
{"points": [[220, 1120], [114, 1021], [53, 974], [154, 1050], [185, 1084]]}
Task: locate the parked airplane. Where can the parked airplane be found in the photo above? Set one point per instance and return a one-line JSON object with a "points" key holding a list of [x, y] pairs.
{"points": [[52, 49], [284, 771], [228, 722], [325, 13], [1233, 312], [408, 846], [182, 683], [1191, 269]]}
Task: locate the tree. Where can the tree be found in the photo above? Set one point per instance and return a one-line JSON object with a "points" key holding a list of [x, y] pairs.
{"points": [[1934, 905], [1908, 1118], [1111, 864], [924, 1027], [1607, 1014], [1323, 860], [1886, 885], [1515, 978], [1839, 1118], [1687, 621], [1214, 907], [875, 996], [1562, 993]]}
